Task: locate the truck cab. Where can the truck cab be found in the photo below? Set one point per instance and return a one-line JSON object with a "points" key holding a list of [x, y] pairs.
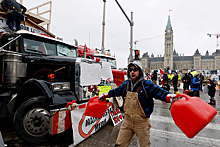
{"points": [[39, 73]]}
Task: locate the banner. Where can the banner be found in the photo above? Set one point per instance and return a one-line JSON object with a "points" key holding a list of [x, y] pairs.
{"points": [[84, 126], [116, 116]]}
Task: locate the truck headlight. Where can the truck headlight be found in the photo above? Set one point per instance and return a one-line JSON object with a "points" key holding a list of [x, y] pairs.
{"points": [[60, 86]]}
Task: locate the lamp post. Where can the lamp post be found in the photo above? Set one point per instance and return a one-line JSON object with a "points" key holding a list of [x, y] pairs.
{"points": [[103, 28], [131, 24]]}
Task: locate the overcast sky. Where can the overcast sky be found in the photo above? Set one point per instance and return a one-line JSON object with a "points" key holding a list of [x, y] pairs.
{"points": [[191, 20]]}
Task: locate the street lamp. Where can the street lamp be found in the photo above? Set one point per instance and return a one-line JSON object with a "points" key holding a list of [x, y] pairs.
{"points": [[131, 24], [103, 28]]}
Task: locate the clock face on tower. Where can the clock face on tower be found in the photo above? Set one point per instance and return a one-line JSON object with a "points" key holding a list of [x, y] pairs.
{"points": [[168, 31]]}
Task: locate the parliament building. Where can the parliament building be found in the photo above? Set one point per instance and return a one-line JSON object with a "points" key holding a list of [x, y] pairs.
{"points": [[172, 60]]}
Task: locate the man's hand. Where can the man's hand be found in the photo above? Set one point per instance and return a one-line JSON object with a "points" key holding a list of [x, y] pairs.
{"points": [[71, 105], [171, 98], [103, 96]]}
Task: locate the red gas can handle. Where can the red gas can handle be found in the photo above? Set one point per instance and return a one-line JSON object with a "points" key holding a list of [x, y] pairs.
{"points": [[183, 95]]}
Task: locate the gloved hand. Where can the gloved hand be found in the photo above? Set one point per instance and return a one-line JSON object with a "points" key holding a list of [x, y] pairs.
{"points": [[71, 105], [103, 96], [171, 98]]}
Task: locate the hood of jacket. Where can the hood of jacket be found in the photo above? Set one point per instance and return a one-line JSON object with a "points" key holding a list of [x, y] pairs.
{"points": [[138, 65]]}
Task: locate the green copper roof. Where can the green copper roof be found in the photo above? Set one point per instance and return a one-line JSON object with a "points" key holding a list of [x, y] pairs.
{"points": [[168, 22]]}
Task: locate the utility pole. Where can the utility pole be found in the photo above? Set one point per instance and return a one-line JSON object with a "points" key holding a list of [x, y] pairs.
{"points": [[103, 28], [131, 24]]}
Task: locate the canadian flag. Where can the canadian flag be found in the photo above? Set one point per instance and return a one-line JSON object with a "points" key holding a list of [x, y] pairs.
{"points": [[161, 75]]}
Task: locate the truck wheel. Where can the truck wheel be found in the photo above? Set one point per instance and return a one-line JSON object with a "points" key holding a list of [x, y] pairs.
{"points": [[31, 122]]}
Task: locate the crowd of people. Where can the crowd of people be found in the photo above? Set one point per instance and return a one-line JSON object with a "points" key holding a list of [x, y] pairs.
{"points": [[191, 83]]}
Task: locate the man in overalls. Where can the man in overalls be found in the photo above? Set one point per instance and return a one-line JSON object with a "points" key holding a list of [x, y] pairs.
{"points": [[138, 106]]}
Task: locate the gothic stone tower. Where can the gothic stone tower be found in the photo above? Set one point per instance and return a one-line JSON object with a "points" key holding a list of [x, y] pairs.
{"points": [[168, 46]]}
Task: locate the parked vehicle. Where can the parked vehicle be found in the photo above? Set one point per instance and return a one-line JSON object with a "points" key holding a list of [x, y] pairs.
{"points": [[119, 76], [39, 73]]}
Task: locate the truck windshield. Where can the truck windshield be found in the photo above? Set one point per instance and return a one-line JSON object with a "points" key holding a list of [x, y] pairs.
{"points": [[34, 46], [64, 50], [48, 48], [113, 63]]}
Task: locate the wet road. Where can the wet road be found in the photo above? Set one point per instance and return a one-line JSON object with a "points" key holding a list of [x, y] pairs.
{"points": [[164, 132]]}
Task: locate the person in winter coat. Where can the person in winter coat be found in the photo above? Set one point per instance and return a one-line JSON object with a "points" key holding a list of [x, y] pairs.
{"points": [[175, 81], [201, 77], [138, 105], [191, 77], [195, 85], [165, 86], [14, 13], [154, 77], [186, 82], [165, 77], [211, 91]]}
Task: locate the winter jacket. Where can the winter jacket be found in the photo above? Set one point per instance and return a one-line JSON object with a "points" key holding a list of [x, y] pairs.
{"points": [[195, 85], [148, 90], [186, 79], [165, 78], [166, 87], [201, 78], [175, 79], [154, 76], [11, 4], [211, 88]]}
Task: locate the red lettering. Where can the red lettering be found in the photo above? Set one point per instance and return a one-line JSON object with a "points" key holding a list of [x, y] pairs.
{"points": [[115, 120], [111, 114]]}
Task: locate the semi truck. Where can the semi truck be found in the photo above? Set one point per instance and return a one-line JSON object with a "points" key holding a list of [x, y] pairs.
{"points": [[39, 73]]}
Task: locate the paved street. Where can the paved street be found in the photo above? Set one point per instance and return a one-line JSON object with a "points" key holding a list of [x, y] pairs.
{"points": [[164, 133]]}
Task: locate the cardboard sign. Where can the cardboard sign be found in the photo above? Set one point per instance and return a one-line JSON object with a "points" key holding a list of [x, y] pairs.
{"points": [[116, 116], [104, 89], [84, 126]]}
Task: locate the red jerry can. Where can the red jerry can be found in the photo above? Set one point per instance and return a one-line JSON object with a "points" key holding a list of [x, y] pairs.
{"points": [[95, 107], [191, 114]]}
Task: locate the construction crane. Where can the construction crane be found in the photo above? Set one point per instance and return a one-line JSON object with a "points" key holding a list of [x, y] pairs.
{"points": [[217, 36], [136, 41]]}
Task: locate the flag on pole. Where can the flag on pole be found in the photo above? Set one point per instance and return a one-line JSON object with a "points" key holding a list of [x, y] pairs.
{"points": [[161, 75]]}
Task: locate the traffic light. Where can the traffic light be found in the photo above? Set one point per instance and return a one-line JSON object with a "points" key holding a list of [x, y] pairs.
{"points": [[137, 54]]}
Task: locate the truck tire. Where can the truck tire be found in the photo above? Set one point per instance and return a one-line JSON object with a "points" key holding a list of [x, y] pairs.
{"points": [[31, 122]]}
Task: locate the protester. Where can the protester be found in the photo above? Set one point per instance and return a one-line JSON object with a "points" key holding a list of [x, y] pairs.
{"points": [[138, 106], [175, 81], [211, 91], [154, 77], [191, 77], [195, 85], [14, 13], [186, 82], [201, 77], [166, 86], [165, 77]]}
